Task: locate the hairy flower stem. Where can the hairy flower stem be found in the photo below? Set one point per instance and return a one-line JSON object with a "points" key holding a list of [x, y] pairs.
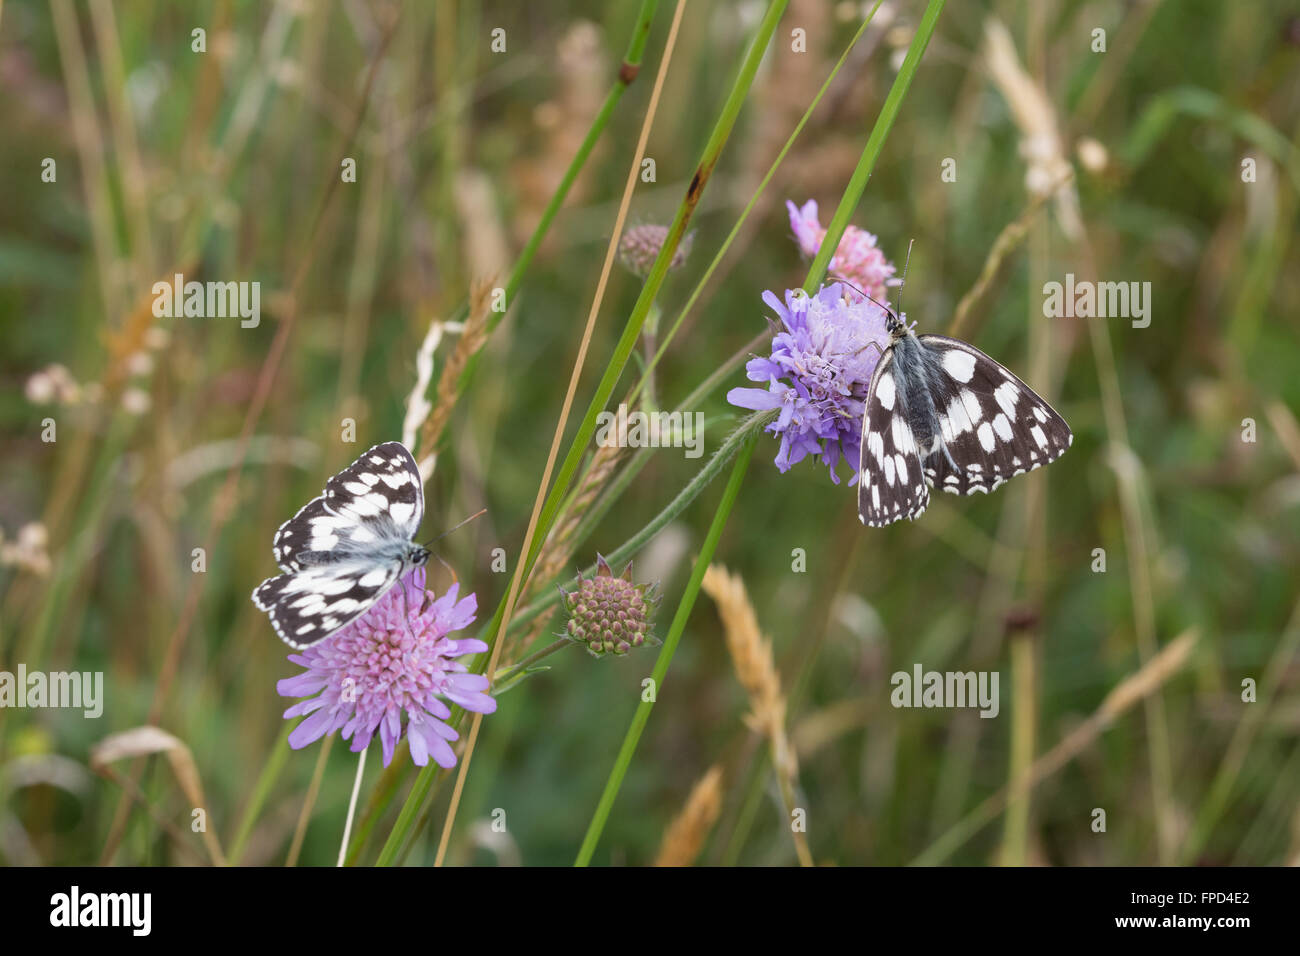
{"points": [[505, 674], [750, 427], [649, 341]]}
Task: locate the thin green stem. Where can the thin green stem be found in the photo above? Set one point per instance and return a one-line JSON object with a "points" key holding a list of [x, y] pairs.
{"points": [[875, 143], [647, 378], [275, 762], [627, 73], [507, 672], [751, 426], [649, 341], [816, 272], [642, 715]]}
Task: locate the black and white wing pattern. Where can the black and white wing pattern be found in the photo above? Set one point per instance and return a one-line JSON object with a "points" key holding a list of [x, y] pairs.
{"points": [[942, 414], [992, 425], [891, 483], [345, 548]]}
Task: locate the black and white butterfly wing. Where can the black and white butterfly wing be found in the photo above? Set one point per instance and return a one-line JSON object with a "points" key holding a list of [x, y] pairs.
{"points": [[346, 547], [991, 425], [309, 605], [381, 489], [890, 481], [373, 505]]}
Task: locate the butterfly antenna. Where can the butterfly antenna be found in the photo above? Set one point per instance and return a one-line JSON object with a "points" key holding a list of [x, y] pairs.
{"points": [[455, 578], [864, 294], [903, 281], [428, 545], [477, 514]]}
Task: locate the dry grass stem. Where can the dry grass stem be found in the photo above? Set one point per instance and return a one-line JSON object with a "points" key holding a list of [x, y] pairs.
{"points": [[471, 340], [685, 836], [1133, 689], [1008, 240], [1041, 145], [558, 550], [756, 670]]}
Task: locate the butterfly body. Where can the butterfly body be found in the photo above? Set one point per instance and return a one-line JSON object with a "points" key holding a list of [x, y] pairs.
{"points": [[914, 393], [345, 548], [941, 413]]}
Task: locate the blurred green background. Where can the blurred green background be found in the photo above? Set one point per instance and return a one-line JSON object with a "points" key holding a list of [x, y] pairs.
{"points": [[219, 164]]}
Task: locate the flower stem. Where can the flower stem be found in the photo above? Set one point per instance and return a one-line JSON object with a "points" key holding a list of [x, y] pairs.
{"points": [[650, 342], [642, 715], [506, 672], [750, 427], [352, 806]]}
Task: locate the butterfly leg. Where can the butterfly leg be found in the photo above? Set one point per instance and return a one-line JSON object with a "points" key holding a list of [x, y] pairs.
{"points": [[406, 608], [450, 570]]}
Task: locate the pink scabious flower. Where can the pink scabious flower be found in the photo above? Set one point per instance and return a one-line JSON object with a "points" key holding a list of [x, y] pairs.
{"points": [[396, 657], [856, 259], [818, 375]]}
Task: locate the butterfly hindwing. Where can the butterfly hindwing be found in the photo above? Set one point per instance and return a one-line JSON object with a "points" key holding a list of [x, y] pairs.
{"points": [[991, 424], [890, 481], [309, 605]]}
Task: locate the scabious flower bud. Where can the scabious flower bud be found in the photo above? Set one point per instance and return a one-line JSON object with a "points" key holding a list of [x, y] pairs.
{"points": [[607, 613], [640, 246]]}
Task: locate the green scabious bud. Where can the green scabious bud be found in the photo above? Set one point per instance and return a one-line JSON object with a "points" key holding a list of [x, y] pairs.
{"points": [[607, 613]]}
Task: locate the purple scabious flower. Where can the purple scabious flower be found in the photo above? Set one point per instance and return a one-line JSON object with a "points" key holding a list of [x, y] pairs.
{"points": [[856, 258], [396, 657], [818, 375]]}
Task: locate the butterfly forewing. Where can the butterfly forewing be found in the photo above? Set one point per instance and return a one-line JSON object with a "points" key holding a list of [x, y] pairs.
{"points": [[346, 547], [940, 413], [381, 487], [993, 426], [374, 503]]}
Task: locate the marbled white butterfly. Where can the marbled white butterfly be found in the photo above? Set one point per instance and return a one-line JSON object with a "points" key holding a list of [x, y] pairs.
{"points": [[941, 413], [344, 549]]}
